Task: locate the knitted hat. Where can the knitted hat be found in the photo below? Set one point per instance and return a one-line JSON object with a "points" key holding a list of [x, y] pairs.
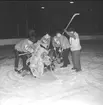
{"points": [[58, 34], [47, 36]]}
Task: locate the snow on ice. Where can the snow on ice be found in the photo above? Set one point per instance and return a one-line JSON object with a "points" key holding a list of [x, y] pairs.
{"points": [[63, 86]]}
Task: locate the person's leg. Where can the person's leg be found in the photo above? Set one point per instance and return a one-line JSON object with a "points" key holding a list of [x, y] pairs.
{"points": [[52, 53], [24, 59], [16, 60], [25, 70], [59, 57], [76, 60], [65, 55], [73, 59]]}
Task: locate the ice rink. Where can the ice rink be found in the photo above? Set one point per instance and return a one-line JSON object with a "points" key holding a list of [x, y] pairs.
{"points": [[61, 87]]}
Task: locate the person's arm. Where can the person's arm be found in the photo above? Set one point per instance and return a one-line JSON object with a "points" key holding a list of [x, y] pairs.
{"points": [[70, 34], [29, 48]]}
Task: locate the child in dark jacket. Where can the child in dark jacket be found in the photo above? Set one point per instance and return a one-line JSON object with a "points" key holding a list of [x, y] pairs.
{"points": [[24, 46]]}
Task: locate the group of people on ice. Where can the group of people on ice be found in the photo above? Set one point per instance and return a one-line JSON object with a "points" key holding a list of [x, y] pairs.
{"points": [[47, 52]]}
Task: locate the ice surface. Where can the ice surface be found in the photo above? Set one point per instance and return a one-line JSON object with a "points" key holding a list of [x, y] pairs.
{"points": [[60, 87]]}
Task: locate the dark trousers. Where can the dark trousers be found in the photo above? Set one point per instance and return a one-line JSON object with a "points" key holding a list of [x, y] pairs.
{"points": [[65, 55], [76, 60], [55, 53], [23, 57]]}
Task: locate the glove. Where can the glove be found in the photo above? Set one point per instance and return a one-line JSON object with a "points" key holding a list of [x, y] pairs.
{"points": [[29, 49]]}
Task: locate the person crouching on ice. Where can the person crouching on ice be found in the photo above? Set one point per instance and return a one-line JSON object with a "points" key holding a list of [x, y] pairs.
{"points": [[57, 51], [75, 48], [24, 46], [40, 59], [45, 43]]}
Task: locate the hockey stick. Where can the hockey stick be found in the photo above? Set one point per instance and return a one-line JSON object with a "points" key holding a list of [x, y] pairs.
{"points": [[23, 54], [71, 21]]}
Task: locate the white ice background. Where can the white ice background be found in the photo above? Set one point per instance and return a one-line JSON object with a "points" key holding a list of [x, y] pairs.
{"points": [[57, 88]]}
